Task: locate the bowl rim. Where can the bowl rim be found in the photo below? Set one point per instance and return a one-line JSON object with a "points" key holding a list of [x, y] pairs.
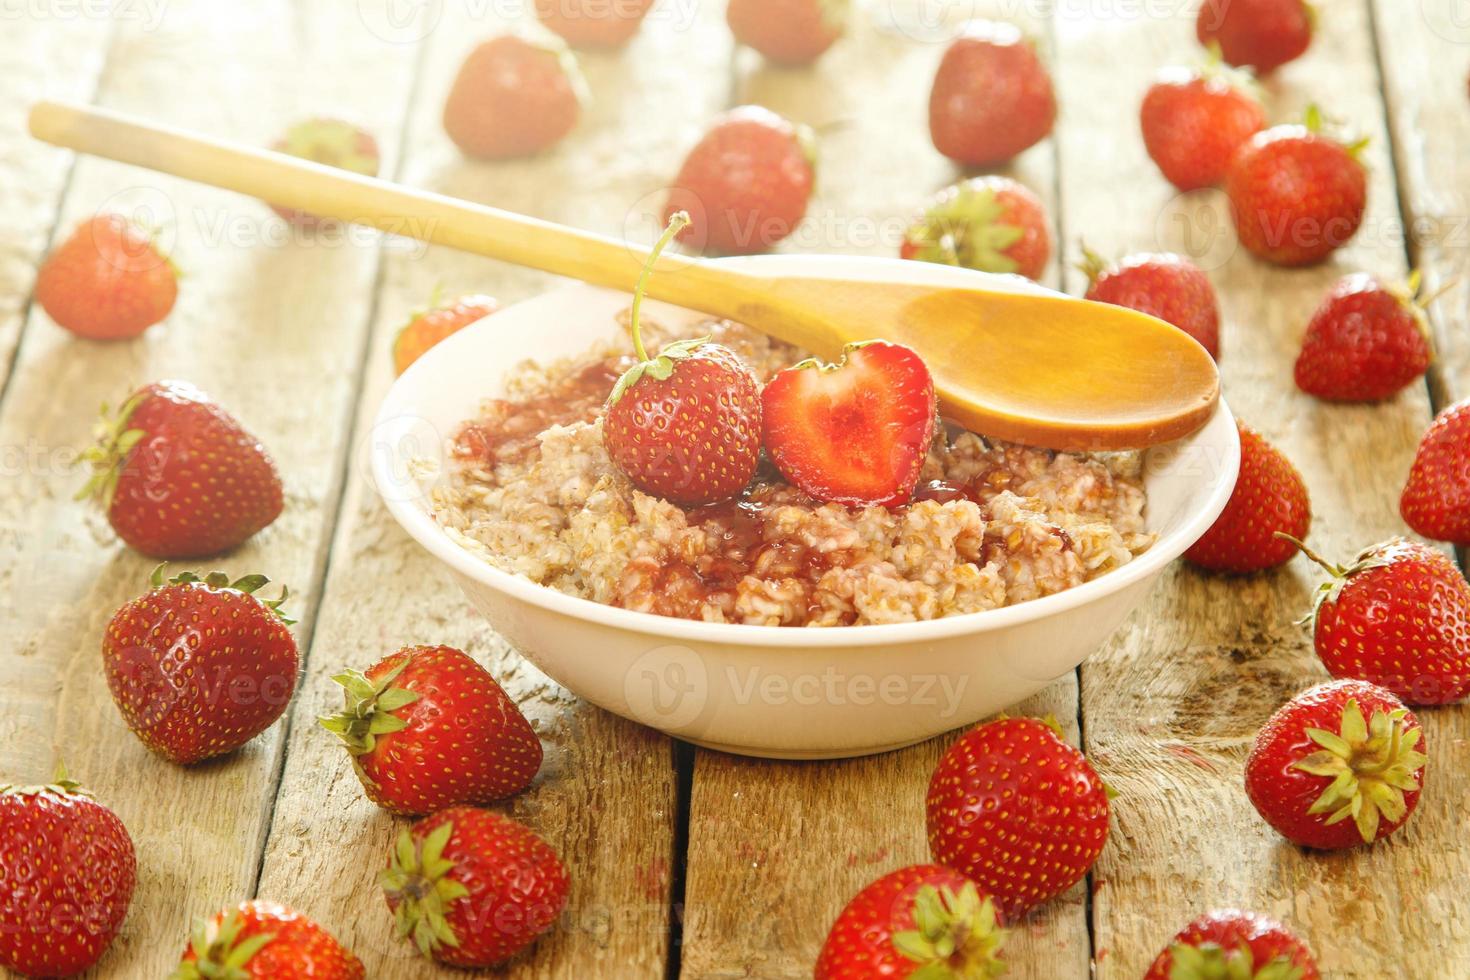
{"points": [[422, 527]]}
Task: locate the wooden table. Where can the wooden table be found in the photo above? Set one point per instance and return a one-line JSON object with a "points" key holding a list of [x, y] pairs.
{"points": [[690, 863]]}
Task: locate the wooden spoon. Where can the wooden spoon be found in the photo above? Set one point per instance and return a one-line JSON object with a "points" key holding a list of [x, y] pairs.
{"points": [[1045, 370]]}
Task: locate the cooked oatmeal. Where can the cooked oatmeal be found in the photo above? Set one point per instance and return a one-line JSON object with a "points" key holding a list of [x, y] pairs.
{"points": [[531, 490]]}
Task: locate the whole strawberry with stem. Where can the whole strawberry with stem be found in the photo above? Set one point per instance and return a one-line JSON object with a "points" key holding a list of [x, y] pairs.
{"points": [[472, 888], [746, 182], [178, 477], [1397, 616], [684, 425], [920, 921], [261, 940], [1261, 34], [108, 281], [1193, 121], [1269, 497], [1160, 284], [1296, 194], [1367, 341], [1436, 498], [200, 666], [1228, 944], [855, 432], [992, 96], [427, 327], [333, 143], [1337, 766], [427, 727], [1014, 807], [994, 224], [67, 871], [788, 32], [514, 97]]}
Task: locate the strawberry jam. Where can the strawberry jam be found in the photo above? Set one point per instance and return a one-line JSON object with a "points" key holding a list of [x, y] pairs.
{"points": [[509, 430]]}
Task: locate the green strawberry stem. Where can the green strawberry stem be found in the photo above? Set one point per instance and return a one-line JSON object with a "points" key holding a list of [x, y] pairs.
{"points": [[107, 456], [248, 584], [1092, 264], [954, 935], [61, 785], [1371, 765], [677, 222], [418, 879], [369, 708], [219, 952], [1211, 961], [1332, 588]]}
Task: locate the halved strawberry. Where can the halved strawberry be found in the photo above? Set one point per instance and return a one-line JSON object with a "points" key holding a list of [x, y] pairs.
{"points": [[855, 432]]}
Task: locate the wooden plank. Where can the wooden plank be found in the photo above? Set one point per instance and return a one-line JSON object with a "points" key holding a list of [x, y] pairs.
{"points": [[1171, 706], [41, 57], [271, 329], [1429, 120], [606, 797], [777, 849]]}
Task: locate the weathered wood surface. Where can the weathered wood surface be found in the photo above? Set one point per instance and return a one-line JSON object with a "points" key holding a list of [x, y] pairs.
{"points": [[1171, 705], [606, 797]]}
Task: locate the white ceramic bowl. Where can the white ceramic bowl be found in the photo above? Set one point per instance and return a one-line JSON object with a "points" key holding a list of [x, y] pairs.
{"points": [[758, 690]]}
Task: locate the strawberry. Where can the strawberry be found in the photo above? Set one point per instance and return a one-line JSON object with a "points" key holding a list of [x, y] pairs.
{"points": [[333, 143], [1337, 766], [178, 477], [428, 327], [514, 97], [427, 727], [992, 96], [1366, 342], [855, 432], [1296, 195], [108, 281], [788, 32], [1230, 943], [746, 182], [1164, 285], [1017, 809], [265, 941], [198, 667], [472, 888], [67, 871], [993, 224], [685, 425], [1263, 34], [1399, 617], [1269, 497], [593, 23], [920, 920], [1193, 121], [1436, 499]]}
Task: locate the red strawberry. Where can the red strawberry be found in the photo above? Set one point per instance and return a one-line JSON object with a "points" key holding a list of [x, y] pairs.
{"points": [[67, 871], [473, 888], [514, 97], [1366, 342], [593, 23], [177, 475], [331, 142], [1164, 285], [265, 941], [855, 432], [992, 96], [1263, 34], [788, 32], [427, 727], [746, 182], [1399, 617], [920, 918], [108, 281], [428, 327], [1269, 496], [1436, 500], [1194, 120], [1017, 809], [198, 667], [993, 224], [1337, 766], [684, 425], [1230, 943], [1296, 196]]}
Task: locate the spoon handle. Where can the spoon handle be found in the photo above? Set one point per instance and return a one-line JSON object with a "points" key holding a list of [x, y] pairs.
{"points": [[395, 208]]}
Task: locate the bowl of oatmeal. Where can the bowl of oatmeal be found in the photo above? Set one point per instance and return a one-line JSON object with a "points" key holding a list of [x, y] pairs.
{"points": [[772, 623]]}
